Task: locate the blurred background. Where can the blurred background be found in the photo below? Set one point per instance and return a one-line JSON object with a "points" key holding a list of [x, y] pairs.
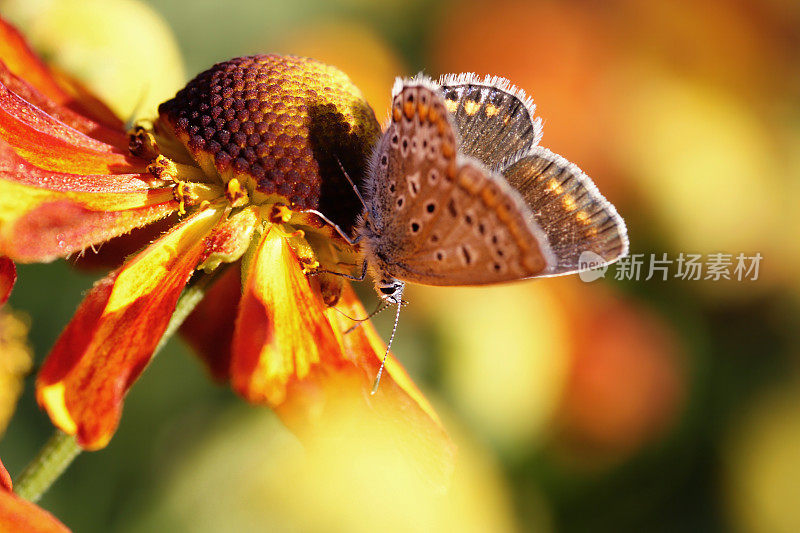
{"points": [[616, 405]]}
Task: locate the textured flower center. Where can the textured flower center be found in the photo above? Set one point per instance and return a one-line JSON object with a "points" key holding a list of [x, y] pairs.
{"points": [[284, 128]]}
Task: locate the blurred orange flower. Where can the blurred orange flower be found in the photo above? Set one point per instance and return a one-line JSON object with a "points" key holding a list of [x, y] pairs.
{"points": [[241, 163], [17, 514], [626, 382]]}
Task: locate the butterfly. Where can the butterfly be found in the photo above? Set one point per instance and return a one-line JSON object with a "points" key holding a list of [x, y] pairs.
{"points": [[459, 192]]}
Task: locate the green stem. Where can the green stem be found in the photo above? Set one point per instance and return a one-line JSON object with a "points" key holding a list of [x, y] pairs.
{"points": [[61, 449]]}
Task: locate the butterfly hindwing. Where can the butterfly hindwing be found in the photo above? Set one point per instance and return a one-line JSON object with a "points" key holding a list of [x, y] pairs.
{"points": [[493, 119], [567, 205]]}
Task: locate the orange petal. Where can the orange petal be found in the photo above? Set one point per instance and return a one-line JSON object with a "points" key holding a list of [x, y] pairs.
{"points": [[52, 145], [209, 329], [281, 330], [8, 276], [18, 515], [354, 375], [22, 61], [335, 400], [45, 215], [365, 349], [114, 332]]}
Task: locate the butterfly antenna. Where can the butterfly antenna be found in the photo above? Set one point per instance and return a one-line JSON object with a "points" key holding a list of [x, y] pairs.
{"points": [[381, 307], [377, 310], [388, 345]]}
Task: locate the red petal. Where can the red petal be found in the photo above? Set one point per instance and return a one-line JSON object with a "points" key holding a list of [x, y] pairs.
{"points": [[18, 515], [8, 276], [22, 61], [363, 351], [281, 330], [114, 332], [209, 329], [45, 215], [5, 478], [52, 145]]}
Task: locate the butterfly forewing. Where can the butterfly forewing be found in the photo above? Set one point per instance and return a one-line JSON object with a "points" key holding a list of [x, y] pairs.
{"points": [[573, 214], [444, 220], [409, 168], [494, 120], [484, 234]]}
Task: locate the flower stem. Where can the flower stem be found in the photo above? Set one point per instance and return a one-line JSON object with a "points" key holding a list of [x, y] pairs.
{"points": [[51, 461], [61, 449]]}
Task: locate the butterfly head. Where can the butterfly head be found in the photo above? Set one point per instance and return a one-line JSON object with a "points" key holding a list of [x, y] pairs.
{"points": [[389, 289]]}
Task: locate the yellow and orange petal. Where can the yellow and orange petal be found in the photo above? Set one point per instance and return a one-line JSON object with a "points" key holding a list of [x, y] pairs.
{"points": [[115, 330], [281, 330], [17, 515], [290, 351]]}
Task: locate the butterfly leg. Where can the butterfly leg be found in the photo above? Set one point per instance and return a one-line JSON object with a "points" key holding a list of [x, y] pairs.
{"points": [[351, 241], [360, 277]]}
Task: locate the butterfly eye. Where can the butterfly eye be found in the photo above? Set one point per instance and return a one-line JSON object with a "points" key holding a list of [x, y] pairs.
{"points": [[388, 291]]}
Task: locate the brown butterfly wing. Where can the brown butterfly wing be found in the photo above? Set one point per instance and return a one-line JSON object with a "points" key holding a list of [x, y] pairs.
{"points": [[494, 119], [566, 204], [444, 221], [484, 234]]}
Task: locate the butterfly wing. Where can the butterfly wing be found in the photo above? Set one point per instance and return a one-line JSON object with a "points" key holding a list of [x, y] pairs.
{"points": [[442, 219], [567, 205], [493, 119]]}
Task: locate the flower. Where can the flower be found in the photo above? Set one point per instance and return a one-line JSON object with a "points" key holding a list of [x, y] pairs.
{"points": [[243, 165], [17, 514]]}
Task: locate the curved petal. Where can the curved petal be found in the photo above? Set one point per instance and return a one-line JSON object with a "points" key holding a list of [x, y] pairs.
{"points": [[114, 332], [45, 215], [8, 276], [281, 329], [365, 349], [336, 400], [17, 514], [5, 479], [114, 136], [22, 61]]}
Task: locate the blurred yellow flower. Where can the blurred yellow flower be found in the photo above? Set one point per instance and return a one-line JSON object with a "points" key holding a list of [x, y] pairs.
{"points": [[763, 465], [16, 360], [350, 477], [506, 356]]}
